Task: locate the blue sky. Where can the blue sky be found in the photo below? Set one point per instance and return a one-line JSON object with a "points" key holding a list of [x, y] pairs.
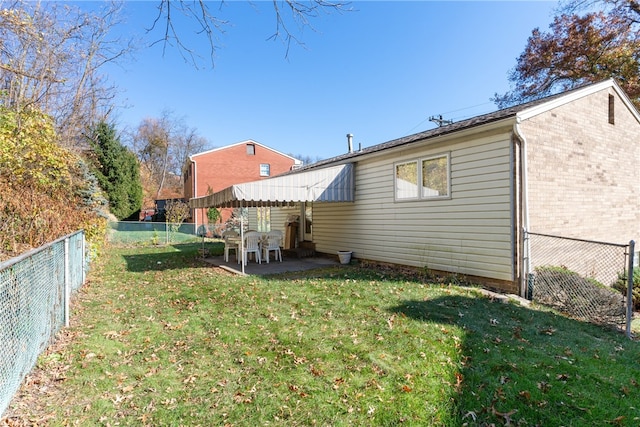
{"points": [[378, 72]]}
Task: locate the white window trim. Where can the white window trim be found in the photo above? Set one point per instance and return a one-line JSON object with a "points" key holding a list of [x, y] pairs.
{"points": [[268, 169], [418, 195], [447, 155]]}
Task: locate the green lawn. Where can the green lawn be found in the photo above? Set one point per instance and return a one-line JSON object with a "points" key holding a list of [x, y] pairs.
{"points": [[162, 339]]}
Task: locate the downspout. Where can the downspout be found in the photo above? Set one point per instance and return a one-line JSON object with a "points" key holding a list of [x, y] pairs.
{"points": [[524, 280]]}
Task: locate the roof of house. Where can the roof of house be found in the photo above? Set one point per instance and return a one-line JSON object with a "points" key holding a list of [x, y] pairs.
{"points": [[294, 186], [522, 111], [248, 141]]}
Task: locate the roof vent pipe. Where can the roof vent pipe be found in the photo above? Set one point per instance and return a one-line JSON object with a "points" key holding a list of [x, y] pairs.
{"points": [[350, 142]]}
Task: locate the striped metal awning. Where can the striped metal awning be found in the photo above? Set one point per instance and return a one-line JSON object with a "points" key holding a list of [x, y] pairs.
{"points": [[330, 184]]}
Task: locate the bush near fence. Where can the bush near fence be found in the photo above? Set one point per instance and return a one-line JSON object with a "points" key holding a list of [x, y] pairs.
{"points": [[35, 289], [584, 299], [577, 277]]}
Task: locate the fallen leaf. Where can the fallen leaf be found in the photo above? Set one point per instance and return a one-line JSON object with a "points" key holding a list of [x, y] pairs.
{"points": [[459, 379], [317, 372], [470, 414], [190, 380], [617, 421], [517, 333], [525, 395], [544, 386], [505, 415]]}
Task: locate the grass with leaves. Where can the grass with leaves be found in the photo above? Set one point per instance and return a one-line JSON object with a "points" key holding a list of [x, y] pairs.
{"points": [[161, 338]]}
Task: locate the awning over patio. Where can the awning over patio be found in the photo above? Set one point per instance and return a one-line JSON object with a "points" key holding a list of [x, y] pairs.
{"points": [[330, 184]]}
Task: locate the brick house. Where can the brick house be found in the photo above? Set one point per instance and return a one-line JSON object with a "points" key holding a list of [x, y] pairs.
{"points": [[457, 198], [214, 170]]}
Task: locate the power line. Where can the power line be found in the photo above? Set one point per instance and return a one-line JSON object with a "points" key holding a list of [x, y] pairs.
{"points": [[440, 121], [439, 118]]}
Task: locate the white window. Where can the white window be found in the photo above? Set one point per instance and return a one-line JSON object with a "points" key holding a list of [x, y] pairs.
{"points": [[265, 169], [435, 177], [263, 216], [427, 178], [407, 180], [251, 149]]}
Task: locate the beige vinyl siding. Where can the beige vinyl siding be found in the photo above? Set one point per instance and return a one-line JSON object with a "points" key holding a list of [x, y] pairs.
{"points": [[279, 216], [252, 217], [469, 233]]}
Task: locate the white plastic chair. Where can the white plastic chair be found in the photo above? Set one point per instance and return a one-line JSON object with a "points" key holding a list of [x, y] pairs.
{"points": [[272, 243], [230, 244], [252, 245]]}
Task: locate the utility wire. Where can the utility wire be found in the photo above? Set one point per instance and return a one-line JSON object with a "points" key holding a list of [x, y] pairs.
{"points": [[449, 112]]}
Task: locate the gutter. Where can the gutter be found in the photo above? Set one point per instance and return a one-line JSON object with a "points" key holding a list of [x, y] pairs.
{"points": [[524, 279]]}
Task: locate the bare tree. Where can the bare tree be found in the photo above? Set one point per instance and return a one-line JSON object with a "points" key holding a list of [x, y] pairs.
{"points": [[289, 14], [164, 145], [184, 141], [50, 56], [628, 10], [152, 145]]}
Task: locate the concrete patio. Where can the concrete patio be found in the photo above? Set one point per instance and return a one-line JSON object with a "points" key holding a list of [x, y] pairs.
{"points": [[289, 264]]}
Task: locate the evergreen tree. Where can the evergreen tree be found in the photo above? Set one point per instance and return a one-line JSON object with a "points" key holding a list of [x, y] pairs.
{"points": [[117, 171]]}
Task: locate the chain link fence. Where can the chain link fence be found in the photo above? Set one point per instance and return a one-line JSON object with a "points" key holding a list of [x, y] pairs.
{"points": [[151, 233], [584, 279], [35, 289]]}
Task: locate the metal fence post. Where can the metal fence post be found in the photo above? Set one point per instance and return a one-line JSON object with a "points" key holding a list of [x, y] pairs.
{"points": [[84, 258], [529, 275], [632, 245], [67, 283]]}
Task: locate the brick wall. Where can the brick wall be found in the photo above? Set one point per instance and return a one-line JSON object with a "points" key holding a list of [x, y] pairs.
{"points": [[584, 173], [223, 167]]}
